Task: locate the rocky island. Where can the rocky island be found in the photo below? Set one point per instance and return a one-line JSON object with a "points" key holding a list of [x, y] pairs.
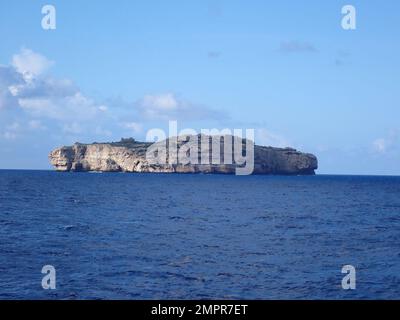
{"points": [[129, 155]]}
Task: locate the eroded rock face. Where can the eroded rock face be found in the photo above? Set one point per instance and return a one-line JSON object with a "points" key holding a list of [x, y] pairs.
{"points": [[130, 156]]}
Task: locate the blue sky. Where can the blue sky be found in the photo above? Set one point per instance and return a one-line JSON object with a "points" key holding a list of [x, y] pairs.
{"points": [[114, 69]]}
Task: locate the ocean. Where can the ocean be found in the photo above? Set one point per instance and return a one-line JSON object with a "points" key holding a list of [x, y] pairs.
{"points": [[186, 236]]}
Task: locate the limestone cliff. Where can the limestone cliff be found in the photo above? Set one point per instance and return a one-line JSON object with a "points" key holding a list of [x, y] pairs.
{"points": [[129, 155]]}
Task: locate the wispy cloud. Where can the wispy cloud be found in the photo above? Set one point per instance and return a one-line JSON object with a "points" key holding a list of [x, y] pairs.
{"points": [[134, 127], [380, 145], [386, 144], [214, 54], [296, 47], [265, 137], [166, 106], [341, 58]]}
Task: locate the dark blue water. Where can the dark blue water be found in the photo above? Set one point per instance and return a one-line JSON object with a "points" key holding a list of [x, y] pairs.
{"points": [[160, 236]]}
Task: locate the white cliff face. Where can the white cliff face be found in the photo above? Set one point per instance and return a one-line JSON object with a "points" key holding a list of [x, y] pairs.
{"points": [[95, 157], [130, 156]]}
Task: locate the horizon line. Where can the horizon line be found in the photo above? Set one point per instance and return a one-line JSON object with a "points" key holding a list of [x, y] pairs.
{"points": [[283, 175]]}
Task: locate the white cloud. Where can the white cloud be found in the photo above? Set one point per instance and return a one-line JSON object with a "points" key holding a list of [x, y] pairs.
{"points": [[30, 64], [8, 78], [24, 86], [44, 87], [44, 102]]}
